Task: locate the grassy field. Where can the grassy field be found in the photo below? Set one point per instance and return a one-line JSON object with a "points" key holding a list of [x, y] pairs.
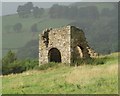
{"points": [[85, 79]]}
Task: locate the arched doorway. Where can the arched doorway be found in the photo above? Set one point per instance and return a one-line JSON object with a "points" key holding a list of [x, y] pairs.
{"points": [[54, 55]]}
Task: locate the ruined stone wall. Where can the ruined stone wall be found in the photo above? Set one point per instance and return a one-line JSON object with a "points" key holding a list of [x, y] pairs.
{"points": [[58, 38], [69, 41], [78, 44], [92, 53]]}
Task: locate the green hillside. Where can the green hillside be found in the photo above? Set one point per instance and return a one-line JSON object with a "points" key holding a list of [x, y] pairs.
{"points": [[13, 40], [99, 5], [102, 30], [61, 79]]}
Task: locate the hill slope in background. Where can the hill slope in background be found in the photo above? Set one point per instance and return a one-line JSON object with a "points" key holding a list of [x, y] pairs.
{"points": [[101, 34], [85, 79], [13, 40], [100, 5]]}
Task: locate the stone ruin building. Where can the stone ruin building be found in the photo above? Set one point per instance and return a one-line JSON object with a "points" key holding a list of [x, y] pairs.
{"points": [[65, 44]]}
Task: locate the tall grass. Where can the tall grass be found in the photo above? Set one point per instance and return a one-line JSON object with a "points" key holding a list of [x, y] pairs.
{"points": [[61, 79], [46, 66], [91, 61]]}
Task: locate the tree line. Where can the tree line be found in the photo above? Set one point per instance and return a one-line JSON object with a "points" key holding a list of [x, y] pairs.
{"points": [[73, 12], [11, 64], [28, 9]]}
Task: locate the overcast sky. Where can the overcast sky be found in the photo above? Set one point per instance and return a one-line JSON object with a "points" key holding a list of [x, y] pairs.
{"points": [[10, 6]]}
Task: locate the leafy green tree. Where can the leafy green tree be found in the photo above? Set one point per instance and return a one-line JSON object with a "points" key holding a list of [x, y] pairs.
{"points": [[90, 12], [38, 12], [9, 58], [20, 11], [17, 27], [54, 11], [25, 10], [6, 62], [29, 6], [10, 63]]}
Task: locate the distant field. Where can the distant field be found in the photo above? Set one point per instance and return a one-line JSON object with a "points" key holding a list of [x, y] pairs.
{"points": [[85, 79], [14, 40]]}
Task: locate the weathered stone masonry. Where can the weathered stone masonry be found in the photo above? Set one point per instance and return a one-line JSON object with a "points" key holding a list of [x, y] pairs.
{"points": [[64, 45]]}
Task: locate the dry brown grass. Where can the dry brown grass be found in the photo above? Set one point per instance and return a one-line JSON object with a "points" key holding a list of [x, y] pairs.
{"points": [[85, 74]]}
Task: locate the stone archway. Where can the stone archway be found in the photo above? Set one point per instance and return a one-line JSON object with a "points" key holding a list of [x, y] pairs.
{"points": [[54, 55], [79, 52]]}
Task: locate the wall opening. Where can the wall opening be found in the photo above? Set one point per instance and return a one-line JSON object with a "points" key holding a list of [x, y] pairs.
{"points": [[54, 55], [79, 51]]}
